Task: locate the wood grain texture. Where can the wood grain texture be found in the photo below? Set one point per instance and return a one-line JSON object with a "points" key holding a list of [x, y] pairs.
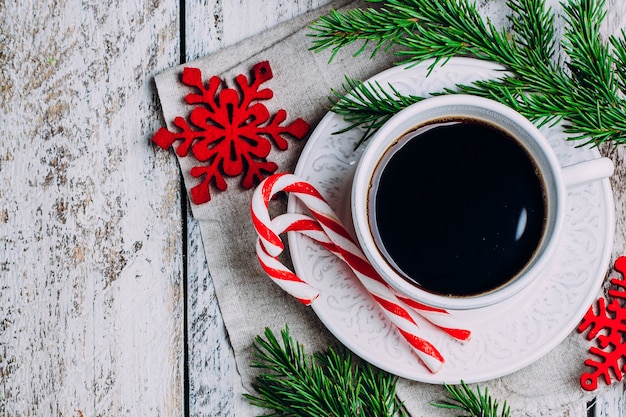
{"points": [[211, 25], [214, 383], [91, 300]]}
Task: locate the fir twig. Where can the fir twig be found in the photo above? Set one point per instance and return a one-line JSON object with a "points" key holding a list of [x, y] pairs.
{"points": [[589, 95], [369, 105], [477, 404], [332, 383]]}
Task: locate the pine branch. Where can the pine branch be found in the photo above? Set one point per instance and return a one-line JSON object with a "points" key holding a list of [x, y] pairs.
{"points": [[619, 50], [601, 117], [332, 383], [369, 105], [477, 404], [340, 29], [589, 96]]}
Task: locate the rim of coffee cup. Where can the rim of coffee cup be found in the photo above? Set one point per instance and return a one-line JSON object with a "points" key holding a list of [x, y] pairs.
{"points": [[460, 106]]}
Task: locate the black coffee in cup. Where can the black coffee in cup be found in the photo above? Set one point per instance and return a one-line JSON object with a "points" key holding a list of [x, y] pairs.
{"points": [[460, 207]]}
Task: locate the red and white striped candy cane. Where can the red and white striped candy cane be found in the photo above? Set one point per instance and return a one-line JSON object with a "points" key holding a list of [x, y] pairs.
{"points": [[345, 249], [280, 274], [439, 317], [323, 212]]}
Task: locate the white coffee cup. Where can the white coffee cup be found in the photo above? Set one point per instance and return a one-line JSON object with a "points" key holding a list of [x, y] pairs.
{"points": [[396, 133]]}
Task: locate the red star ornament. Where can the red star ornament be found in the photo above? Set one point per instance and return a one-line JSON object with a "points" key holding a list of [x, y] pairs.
{"points": [[230, 132]]}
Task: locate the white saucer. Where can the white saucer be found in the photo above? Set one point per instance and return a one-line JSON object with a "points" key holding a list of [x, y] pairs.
{"points": [[505, 337]]}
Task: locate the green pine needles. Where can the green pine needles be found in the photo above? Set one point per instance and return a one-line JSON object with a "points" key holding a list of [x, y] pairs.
{"points": [[475, 403], [586, 92], [325, 384], [333, 383]]}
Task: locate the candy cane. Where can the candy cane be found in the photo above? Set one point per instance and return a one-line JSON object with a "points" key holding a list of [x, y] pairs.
{"points": [[323, 212], [340, 243], [281, 275], [301, 223], [439, 317], [292, 222]]}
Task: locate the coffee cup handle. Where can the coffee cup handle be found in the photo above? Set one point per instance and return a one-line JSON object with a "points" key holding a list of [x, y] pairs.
{"points": [[587, 171]]}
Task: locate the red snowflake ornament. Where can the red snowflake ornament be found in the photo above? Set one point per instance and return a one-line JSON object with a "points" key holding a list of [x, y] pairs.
{"points": [[608, 326], [230, 132]]}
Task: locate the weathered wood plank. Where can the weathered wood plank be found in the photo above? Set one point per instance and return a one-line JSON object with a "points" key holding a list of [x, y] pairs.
{"points": [[216, 24], [213, 381], [214, 385], [90, 282], [612, 403]]}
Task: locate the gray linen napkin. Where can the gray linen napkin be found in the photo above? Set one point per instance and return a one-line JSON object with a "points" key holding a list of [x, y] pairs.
{"points": [[248, 300]]}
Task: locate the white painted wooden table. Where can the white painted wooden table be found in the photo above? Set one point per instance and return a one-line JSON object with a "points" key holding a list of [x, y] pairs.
{"points": [[106, 304]]}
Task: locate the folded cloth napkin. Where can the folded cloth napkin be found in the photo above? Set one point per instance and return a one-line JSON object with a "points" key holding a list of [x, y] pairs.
{"points": [[248, 300]]}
